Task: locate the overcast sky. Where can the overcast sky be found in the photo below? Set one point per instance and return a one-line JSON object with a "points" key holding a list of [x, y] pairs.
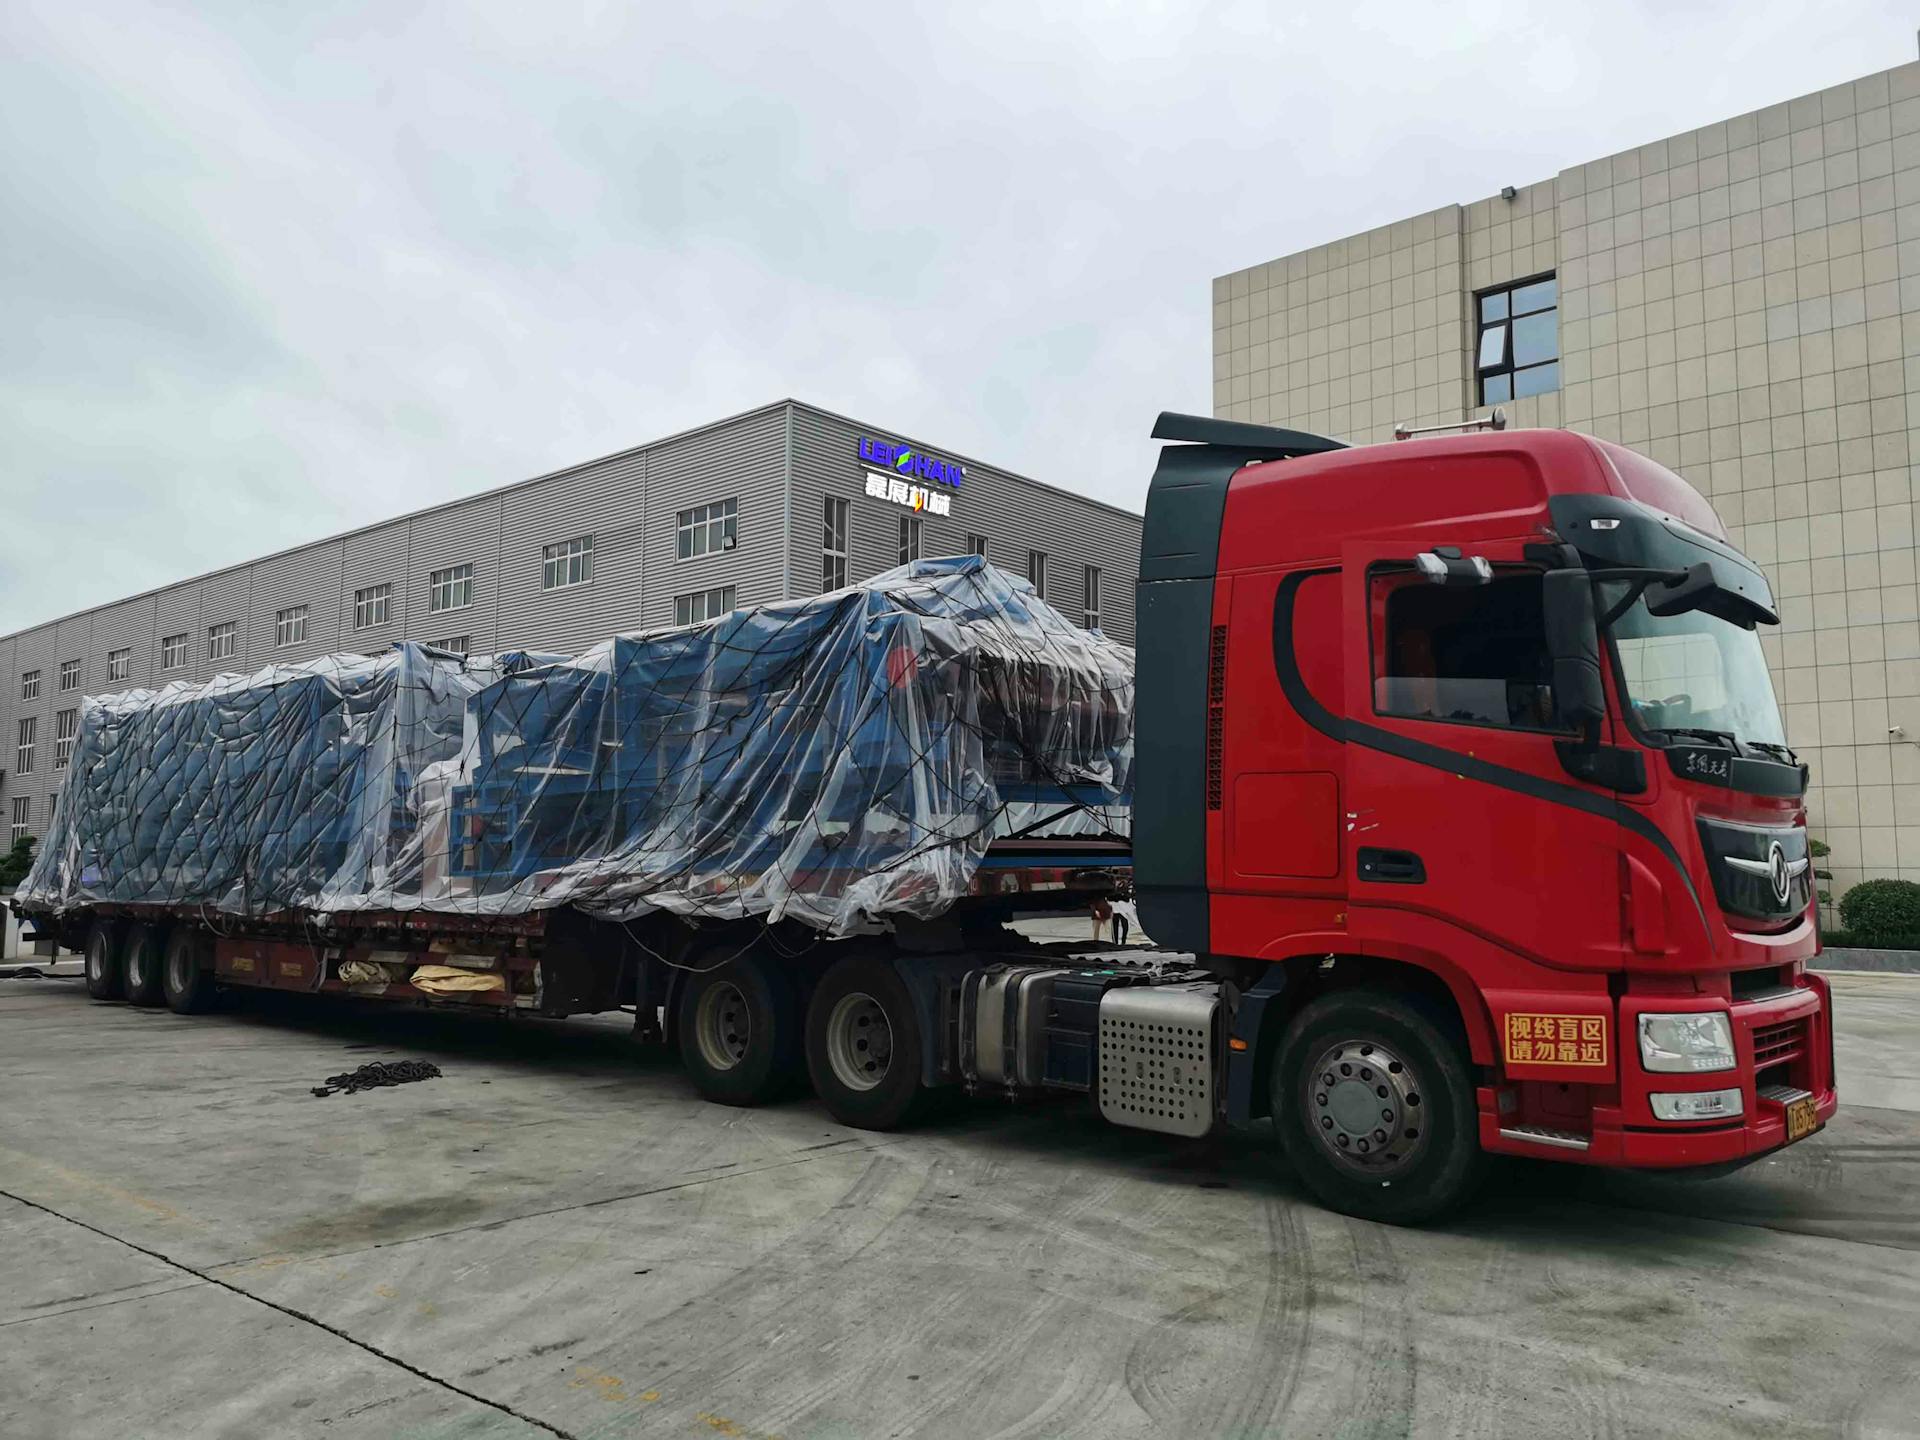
{"points": [[268, 272]]}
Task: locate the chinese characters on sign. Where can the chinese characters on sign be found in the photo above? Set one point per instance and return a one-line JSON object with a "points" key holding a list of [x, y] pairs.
{"points": [[1557, 1039], [914, 497], [894, 468]]}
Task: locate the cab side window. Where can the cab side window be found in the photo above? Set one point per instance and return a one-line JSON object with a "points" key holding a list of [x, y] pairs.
{"points": [[1472, 655]]}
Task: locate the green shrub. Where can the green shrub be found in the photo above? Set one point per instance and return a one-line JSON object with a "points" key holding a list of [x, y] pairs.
{"points": [[15, 864], [1849, 940], [1881, 907]]}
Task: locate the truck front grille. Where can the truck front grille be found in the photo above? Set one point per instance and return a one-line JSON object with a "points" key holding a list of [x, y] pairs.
{"points": [[1778, 1044]]}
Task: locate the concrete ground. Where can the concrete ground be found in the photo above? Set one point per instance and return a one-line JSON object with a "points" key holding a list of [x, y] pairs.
{"points": [[557, 1238]]}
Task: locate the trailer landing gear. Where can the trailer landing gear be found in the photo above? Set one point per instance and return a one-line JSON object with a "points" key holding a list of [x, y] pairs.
{"points": [[1373, 1106]]}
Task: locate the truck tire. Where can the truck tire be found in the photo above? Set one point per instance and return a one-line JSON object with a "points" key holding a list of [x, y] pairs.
{"points": [[1373, 1105], [187, 984], [105, 979], [144, 952], [739, 1027], [864, 1046]]}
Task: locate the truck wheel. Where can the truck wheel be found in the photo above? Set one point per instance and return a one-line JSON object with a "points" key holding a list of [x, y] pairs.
{"points": [[188, 986], [144, 956], [1373, 1105], [739, 1027], [104, 978], [864, 1045]]}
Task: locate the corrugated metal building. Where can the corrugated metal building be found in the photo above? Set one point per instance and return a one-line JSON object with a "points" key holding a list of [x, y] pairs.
{"points": [[784, 501]]}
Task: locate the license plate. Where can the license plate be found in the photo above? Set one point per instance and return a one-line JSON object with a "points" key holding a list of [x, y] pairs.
{"points": [[1802, 1118]]}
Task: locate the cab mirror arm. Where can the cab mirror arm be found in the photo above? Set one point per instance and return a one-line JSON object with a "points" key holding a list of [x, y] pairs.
{"points": [[1638, 583], [1573, 644]]}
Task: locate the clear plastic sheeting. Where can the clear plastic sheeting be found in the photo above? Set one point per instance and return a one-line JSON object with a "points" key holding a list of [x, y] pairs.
{"points": [[287, 789], [835, 760]]}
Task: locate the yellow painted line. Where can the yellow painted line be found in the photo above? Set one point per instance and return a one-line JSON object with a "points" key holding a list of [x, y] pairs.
{"points": [[94, 1185]]}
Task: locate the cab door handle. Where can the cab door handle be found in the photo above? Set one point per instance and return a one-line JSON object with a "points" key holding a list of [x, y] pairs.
{"points": [[1391, 867]]}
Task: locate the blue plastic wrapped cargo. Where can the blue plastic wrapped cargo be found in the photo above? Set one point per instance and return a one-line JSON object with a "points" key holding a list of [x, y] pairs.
{"points": [[834, 760], [287, 789]]}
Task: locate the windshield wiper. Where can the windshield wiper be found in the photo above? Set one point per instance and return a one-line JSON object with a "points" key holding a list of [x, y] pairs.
{"points": [[1725, 737]]}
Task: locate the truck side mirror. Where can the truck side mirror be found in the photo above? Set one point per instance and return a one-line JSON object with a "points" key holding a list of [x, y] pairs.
{"points": [[1688, 592], [1573, 642]]}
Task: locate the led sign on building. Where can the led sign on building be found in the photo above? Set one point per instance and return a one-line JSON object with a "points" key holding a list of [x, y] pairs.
{"points": [[894, 469], [914, 464]]}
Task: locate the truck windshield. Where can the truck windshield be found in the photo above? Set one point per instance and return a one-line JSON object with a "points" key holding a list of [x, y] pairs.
{"points": [[1690, 673]]}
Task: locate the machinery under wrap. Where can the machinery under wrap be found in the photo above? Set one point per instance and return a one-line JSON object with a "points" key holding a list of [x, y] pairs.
{"points": [[830, 760], [288, 789]]}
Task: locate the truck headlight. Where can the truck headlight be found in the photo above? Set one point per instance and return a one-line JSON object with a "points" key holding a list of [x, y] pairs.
{"points": [[1690, 1042]]}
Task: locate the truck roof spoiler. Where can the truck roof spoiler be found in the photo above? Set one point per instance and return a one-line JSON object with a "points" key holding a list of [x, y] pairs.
{"points": [[1269, 441]]}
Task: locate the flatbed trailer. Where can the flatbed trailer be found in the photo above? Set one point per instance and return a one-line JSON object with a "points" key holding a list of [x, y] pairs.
{"points": [[540, 964], [1460, 800]]}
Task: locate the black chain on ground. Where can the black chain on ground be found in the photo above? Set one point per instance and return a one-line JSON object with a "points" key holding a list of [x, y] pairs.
{"points": [[375, 1074]]}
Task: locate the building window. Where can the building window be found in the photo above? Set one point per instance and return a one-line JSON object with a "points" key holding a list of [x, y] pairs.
{"points": [[458, 644], [173, 652], [118, 663], [450, 589], [1467, 655], [703, 605], [69, 674], [290, 625], [371, 606], [707, 528], [220, 641], [30, 685], [65, 726], [1037, 572], [23, 757], [909, 538], [22, 818], [977, 545], [833, 549], [1519, 340], [568, 563], [1093, 597]]}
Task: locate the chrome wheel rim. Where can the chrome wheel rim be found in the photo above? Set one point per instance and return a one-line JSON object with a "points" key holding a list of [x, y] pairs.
{"points": [[722, 1026], [1365, 1106], [859, 1041]]}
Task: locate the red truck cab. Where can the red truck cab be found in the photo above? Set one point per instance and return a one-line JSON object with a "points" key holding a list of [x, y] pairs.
{"points": [[1478, 727]]}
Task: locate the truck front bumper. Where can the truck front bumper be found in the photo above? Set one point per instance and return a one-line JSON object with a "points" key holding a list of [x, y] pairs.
{"points": [[1784, 1047]]}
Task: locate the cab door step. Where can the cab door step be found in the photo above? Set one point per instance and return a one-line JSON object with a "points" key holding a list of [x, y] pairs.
{"points": [[1541, 1135]]}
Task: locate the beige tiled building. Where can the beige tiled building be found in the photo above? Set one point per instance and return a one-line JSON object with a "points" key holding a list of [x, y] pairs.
{"points": [[1740, 302]]}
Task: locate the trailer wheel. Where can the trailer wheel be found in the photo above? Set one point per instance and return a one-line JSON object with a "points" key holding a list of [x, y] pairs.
{"points": [[1374, 1108], [188, 986], [739, 1027], [864, 1046], [144, 953], [105, 980]]}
